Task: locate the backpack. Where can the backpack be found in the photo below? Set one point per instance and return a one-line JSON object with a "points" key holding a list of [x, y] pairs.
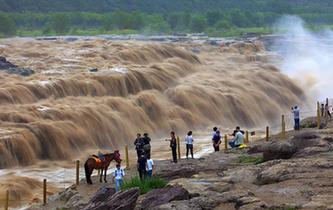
{"points": [[146, 147], [121, 171]]}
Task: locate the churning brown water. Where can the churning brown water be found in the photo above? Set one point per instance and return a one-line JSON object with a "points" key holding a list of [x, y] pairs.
{"points": [[63, 110]]}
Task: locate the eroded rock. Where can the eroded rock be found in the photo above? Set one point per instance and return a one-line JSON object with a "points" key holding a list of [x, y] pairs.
{"points": [[10, 68], [122, 200], [278, 150], [158, 197]]}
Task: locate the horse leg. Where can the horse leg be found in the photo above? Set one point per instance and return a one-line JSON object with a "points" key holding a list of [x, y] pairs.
{"points": [[101, 175], [105, 170], [88, 172]]}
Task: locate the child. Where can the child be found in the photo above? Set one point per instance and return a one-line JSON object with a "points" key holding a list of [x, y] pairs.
{"points": [[118, 175], [150, 166]]}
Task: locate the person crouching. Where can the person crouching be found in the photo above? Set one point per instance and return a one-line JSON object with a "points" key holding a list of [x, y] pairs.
{"points": [[238, 140]]}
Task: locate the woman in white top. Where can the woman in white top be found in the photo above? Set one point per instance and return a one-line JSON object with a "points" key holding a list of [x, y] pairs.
{"points": [[189, 144]]}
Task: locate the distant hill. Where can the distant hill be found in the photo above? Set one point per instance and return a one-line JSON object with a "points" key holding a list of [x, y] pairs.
{"points": [[164, 6], [213, 17]]}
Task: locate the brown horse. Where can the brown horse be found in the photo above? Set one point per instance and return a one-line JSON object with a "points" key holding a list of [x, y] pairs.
{"points": [[95, 163]]}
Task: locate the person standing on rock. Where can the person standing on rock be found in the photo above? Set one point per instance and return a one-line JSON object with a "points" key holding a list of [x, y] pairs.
{"points": [[322, 109], [150, 166], [189, 144], [146, 142], [216, 140], [142, 165], [296, 112], [327, 110], [214, 130], [238, 140], [138, 143], [173, 146], [118, 175]]}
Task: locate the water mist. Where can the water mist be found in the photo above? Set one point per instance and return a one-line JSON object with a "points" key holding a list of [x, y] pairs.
{"points": [[307, 56]]}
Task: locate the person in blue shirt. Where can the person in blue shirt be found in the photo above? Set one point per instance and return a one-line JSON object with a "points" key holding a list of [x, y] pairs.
{"points": [[216, 140], [295, 110], [101, 156]]}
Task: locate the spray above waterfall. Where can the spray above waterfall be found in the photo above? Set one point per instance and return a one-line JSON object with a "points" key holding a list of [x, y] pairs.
{"points": [[307, 55]]}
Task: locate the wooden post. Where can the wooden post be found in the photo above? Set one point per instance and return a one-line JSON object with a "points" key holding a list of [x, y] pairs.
{"points": [[283, 125], [44, 192], [7, 200], [318, 114], [77, 173], [127, 158], [267, 133], [247, 137], [225, 142], [178, 147], [325, 113]]}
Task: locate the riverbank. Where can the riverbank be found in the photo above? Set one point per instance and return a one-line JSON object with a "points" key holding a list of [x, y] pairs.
{"points": [[281, 174]]}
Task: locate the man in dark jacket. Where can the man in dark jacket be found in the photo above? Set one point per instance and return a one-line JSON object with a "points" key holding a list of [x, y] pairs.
{"points": [[173, 145], [142, 165], [138, 143]]}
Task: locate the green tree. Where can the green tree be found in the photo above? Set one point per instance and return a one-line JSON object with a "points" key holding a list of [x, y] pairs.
{"points": [[223, 25], [238, 18], [60, 23], [7, 25], [156, 23], [213, 17], [198, 24]]}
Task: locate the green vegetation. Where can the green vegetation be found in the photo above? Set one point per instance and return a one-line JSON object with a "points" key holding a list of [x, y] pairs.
{"points": [[7, 25], [213, 17], [250, 160], [146, 185]]}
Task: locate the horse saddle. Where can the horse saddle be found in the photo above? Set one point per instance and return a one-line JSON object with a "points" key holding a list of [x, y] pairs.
{"points": [[97, 159]]}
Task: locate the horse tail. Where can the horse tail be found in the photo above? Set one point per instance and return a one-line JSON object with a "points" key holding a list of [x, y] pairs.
{"points": [[87, 172]]}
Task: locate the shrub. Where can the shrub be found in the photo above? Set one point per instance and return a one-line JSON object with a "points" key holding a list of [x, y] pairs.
{"points": [[145, 185], [7, 25], [250, 160]]}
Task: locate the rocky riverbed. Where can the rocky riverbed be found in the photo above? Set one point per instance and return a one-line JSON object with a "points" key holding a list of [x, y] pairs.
{"points": [[295, 173]]}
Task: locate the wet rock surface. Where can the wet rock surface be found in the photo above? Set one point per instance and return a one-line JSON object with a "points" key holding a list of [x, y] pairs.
{"points": [[4, 64], [300, 178], [162, 196], [108, 200], [10, 68]]}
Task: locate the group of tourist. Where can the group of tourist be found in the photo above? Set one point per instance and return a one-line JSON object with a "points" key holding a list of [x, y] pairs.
{"points": [[237, 141], [173, 145], [325, 110], [145, 164]]}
